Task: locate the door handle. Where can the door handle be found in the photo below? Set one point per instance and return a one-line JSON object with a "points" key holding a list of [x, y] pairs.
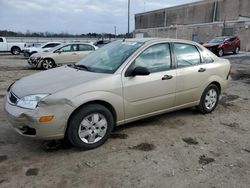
{"points": [[167, 77], [74, 53], [202, 70]]}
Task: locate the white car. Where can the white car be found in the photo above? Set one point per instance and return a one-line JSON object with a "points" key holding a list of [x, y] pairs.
{"points": [[62, 54], [27, 52], [14, 48]]}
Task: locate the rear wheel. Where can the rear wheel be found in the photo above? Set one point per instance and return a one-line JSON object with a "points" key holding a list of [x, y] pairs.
{"points": [[209, 99], [48, 64], [237, 50], [15, 50], [90, 126], [220, 52]]}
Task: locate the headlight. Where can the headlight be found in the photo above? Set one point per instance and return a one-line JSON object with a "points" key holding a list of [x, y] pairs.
{"points": [[31, 101]]}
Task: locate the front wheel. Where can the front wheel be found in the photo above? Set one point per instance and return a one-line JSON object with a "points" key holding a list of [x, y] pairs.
{"points": [[90, 126], [209, 99], [48, 64]]}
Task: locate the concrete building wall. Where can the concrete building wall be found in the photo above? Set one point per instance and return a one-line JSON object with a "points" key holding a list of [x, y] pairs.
{"points": [[202, 32], [199, 12], [197, 21]]}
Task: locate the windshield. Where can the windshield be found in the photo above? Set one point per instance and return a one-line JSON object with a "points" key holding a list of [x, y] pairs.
{"points": [[217, 40], [109, 58]]}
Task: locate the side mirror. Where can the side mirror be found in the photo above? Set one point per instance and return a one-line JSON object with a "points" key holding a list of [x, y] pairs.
{"points": [[140, 71]]}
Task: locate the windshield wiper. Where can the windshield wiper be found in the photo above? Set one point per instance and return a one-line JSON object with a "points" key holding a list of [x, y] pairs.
{"points": [[79, 67]]}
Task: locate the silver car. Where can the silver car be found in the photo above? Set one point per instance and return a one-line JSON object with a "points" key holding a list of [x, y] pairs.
{"points": [[62, 54], [122, 82]]}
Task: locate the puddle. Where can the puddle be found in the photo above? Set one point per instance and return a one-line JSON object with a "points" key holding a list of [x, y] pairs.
{"points": [[55, 145], [143, 147], [32, 172], [240, 75], [190, 141], [247, 82], [3, 158], [3, 180], [118, 136], [204, 160], [228, 98], [232, 125]]}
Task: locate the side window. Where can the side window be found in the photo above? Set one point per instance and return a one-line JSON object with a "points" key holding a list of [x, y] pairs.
{"points": [[66, 48], [74, 47], [156, 58], [232, 39], [85, 47], [206, 57], [1, 39], [51, 45], [186, 55]]}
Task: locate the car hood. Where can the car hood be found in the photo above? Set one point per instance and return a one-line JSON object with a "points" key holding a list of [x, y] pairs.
{"points": [[52, 81], [40, 54], [211, 44]]}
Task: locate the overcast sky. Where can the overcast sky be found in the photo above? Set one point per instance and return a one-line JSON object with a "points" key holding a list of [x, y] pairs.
{"points": [[74, 16]]}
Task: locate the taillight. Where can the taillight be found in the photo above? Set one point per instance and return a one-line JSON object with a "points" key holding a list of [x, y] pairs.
{"points": [[229, 71]]}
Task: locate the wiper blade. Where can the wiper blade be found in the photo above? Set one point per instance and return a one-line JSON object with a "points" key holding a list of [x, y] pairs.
{"points": [[79, 67]]}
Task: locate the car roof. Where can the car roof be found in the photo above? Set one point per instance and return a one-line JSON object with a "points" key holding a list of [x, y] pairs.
{"points": [[153, 40]]}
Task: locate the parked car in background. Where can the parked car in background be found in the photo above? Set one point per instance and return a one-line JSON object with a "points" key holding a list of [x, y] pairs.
{"points": [[27, 52], [15, 48], [123, 81], [62, 54], [224, 44], [101, 43]]}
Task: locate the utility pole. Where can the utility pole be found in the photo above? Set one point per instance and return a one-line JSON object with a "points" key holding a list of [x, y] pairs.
{"points": [[115, 31], [128, 16]]}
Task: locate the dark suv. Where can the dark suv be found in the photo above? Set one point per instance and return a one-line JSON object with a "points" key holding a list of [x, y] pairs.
{"points": [[224, 44]]}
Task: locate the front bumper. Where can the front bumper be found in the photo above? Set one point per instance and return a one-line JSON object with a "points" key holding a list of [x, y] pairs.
{"points": [[34, 62], [26, 122]]}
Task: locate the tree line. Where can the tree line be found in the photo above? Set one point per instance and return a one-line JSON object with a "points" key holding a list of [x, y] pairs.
{"points": [[7, 33]]}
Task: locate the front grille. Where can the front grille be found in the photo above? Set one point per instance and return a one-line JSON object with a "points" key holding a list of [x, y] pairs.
{"points": [[13, 98]]}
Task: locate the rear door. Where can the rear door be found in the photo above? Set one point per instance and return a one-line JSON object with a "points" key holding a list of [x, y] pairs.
{"points": [[192, 74], [66, 54], [84, 50], [154, 92]]}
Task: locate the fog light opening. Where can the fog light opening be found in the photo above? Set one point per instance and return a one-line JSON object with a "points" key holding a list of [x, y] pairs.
{"points": [[46, 118]]}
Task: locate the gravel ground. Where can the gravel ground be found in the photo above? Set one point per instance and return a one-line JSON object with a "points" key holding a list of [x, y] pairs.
{"points": [[178, 149]]}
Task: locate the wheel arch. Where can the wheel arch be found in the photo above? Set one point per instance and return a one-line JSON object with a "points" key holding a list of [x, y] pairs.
{"points": [[101, 102], [11, 50], [41, 62], [217, 84]]}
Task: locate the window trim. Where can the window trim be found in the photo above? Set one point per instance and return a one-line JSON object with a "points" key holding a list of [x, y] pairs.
{"points": [[174, 55], [127, 73]]}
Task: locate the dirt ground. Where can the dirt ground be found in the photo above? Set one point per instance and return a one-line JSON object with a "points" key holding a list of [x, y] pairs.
{"points": [[179, 149]]}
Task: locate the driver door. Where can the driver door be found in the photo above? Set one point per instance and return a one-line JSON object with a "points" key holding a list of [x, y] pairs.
{"points": [[155, 92]]}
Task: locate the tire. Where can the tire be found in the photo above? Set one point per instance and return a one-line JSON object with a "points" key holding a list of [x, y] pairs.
{"points": [[209, 99], [15, 50], [90, 126], [48, 64], [236, 50], [220, 52]]}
